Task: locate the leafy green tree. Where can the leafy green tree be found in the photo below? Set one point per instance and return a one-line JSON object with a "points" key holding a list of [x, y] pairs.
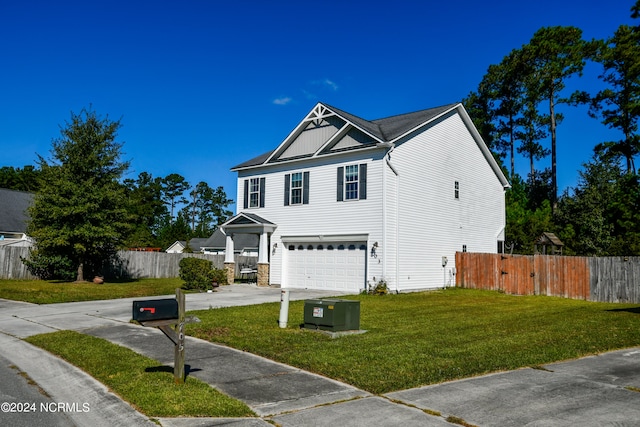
{"points": [[147, 208], [206, 209], [525, 222], [619, 104], [79, 212], [584, 214], [625, 216], [172, 231], [25, 179]]}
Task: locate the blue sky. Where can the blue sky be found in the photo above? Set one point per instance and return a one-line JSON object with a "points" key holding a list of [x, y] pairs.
{"points": [[201, 86]]}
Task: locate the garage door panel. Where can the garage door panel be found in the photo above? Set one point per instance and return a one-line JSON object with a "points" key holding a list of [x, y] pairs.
{"points": [[339, 266]]}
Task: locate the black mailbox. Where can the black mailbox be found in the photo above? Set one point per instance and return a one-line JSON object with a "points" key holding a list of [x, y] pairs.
{"points": [[157, 309]]}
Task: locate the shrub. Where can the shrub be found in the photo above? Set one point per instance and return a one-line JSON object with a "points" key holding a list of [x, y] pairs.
{"points": [[380, 288], [220, 276], [50, 267], [197, 273]]}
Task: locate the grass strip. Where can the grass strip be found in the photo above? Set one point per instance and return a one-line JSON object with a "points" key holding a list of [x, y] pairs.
{"points": [[148, 386], [424, 338], [52, 291]]}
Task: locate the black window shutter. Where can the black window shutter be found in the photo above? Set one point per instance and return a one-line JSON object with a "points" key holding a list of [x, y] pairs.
{"points": [[363, 181], [305, 188], [246, 193], [340, 183], [262, 185], [287, 183]]}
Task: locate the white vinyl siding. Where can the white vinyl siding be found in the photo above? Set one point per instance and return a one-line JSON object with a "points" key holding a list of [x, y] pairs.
{"points": [[432, 223], [322, 216], [410, 210]]}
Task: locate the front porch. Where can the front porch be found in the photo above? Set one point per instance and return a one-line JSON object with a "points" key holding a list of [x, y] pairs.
{"points": [[248, 223]]}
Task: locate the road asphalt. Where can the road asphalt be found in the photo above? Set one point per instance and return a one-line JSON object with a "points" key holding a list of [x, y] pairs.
{"points": [[37, 388]]}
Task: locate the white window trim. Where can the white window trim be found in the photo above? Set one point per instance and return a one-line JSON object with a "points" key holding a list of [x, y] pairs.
{"points": [[300, 189], [253, 204], [355, 182]]}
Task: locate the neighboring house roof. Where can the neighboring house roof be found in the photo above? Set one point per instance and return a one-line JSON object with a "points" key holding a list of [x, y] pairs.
{"points": [[196, 243], [218, 240], [178, 245], [344, 131], [13, 210]]}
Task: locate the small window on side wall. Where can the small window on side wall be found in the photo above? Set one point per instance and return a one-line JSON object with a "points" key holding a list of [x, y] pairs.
{"points": [[456, 190]]}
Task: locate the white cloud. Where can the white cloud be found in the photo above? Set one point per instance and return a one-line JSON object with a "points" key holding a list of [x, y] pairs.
{"points": [[282, 101], [331, 84], [326, 83]]}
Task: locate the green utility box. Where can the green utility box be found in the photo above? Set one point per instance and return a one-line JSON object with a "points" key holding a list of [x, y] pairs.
{"points": [[332, 315]]}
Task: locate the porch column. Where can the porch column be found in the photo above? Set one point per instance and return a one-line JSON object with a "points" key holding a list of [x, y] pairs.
{"points": [[229, 260], [263, 260]]}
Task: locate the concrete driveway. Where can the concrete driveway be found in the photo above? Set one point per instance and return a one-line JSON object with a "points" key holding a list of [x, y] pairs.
{"points": [[594, 391]]}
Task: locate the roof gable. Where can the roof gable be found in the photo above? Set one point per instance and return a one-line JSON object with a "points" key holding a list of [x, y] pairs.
{"points": [[327, 130]]}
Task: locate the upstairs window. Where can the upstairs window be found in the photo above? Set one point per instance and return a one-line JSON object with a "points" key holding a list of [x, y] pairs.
{"points": [[254, 193], [456, 190], [352, 182], [296, 188]]}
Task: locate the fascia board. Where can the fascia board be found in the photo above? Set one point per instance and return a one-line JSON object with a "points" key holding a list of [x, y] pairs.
{"points": [[303, 159]]}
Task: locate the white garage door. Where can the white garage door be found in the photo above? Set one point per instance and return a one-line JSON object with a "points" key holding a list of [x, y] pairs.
{"points": [[339, 266]]}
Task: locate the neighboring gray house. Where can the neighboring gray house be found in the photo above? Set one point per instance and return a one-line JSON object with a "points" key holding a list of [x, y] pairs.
{"points": [[14, 217], [344, 202], [245, 244]]}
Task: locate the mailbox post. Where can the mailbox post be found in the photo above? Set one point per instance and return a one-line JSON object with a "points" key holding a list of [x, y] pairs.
{"points": [[168, 316]]}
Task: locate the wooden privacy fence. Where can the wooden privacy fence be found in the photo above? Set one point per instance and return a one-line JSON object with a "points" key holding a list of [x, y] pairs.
{"points": [[131, 264], [607, 279]]}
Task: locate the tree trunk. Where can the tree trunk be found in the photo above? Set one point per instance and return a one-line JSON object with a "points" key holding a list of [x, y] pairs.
{"points": [[80, 276]]}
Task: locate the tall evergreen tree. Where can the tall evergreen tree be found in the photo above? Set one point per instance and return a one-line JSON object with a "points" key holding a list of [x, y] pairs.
{"points": [[79, 214], [555, 54], [619, 104], [173, 188]]}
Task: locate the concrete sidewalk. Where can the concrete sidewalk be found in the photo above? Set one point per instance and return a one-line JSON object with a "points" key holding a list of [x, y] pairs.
{"points": [[593, 391]]}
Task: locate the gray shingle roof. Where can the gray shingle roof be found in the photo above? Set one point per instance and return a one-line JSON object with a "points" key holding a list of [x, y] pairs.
{"points": [[13, 210], [384, 129], [218, 240]]}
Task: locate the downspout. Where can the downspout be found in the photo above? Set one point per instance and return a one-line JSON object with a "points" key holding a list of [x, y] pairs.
{"points": [[397, 210]]}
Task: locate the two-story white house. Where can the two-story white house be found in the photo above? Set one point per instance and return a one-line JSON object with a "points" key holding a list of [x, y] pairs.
{"points": [[344, 202]]}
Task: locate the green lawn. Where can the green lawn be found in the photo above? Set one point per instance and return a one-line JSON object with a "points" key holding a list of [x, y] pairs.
{"points": [[423, 338], [51, 291], [148, 386]]}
